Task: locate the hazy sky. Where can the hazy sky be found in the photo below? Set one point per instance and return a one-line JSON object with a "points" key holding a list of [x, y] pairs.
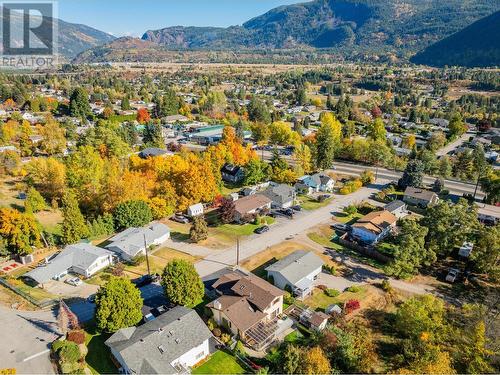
{"points": [[134, 17]]}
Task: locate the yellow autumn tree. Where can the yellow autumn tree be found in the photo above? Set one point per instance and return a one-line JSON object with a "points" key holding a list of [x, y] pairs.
{"points": [[315, 362]]}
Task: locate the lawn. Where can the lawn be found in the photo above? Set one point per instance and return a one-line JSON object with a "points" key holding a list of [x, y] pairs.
{"points": [[36, 293], [158, 259], [98, 357], [309, 203], [245, 229], [319, 300], [220, 363]]}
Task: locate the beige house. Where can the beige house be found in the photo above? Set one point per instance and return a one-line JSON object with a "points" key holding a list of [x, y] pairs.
{"points": [[248, 306], [252, 204], [420, 197]]}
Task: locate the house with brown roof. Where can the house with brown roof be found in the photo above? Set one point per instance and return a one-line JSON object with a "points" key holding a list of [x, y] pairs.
{"points": [[249, 307], [249, 205], [420, 197], [373, 227]]}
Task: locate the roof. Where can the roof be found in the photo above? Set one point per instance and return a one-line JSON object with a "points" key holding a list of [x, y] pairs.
{"points": [[376, 221], [297, 265], [231, 169], [152, 151], [280, 193], [131, 240], [419, 193], [151, 347], [81, 255], [244, 298], [317, 318], [250, 202], [394, 205]]}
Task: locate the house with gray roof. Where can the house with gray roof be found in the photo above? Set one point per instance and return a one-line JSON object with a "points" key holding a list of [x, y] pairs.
{"points": [[314, 183], [170, 344], [297, 272], [132, 242], [82, 258], [281, 195], [420, 197]]}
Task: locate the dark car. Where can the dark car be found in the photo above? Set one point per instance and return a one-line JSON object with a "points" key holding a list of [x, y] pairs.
{"points": [[297, 208], [145, 280], [262, 229], [340, 227], [287, 211]]}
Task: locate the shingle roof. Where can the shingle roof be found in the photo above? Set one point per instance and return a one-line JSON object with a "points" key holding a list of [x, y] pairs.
{"points": [[394, 205], [297, 265], [376, 221], [151, 348], [280, 194], [418, 193], [131, 240], [250, 203], [80, 255]]}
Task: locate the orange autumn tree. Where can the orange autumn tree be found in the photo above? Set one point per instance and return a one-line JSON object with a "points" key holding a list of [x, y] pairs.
{"points": [[238, 154], [143, 116]]}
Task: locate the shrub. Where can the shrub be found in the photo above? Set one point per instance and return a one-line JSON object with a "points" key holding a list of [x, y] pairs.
{"points": [[225, 338], [350, 210], [351, 306], [331, 269], [288, 299], [354, 289], [211, 324], [78, 337], [239, 349], [322, 287], [217, 332], [67, 351], [118, 269], [367, 177], [332, 292], [386, 285]]}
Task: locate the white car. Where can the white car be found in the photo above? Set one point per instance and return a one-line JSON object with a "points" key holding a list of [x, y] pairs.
{"points": [[75, 281], [452, 275]]}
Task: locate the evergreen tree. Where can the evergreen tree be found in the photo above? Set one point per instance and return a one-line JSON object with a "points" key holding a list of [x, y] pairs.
{"points": [[327, 141], [133, 213], [79, 104], [152, 136], [199, 229], [413, 175], [73, 225], [125, 105]]}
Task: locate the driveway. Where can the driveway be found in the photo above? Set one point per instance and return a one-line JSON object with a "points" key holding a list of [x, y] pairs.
{"points": [[60, 288], [334, 282], [26, 339], [152, 294]]}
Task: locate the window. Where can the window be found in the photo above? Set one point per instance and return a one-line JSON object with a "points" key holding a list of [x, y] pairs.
{"points": [[200, 355]]}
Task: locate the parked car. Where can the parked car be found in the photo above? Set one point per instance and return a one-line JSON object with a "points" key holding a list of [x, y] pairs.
{"points": [[91, 298], [262, 229], [157, 311], [75, 281], [148, 317], [297, 208], [340, 227], [145, 280], [452, 275], [180, 219], [286, 211]]}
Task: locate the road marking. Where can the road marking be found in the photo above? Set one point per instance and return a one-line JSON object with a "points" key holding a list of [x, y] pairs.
{"points": [[36, 355]]}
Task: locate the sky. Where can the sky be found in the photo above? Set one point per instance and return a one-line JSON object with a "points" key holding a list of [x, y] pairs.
{"points": [[134, 17]]}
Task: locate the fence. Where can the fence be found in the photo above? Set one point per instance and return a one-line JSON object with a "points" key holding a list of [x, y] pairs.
{"points": [[367, 251], [27, 297]]}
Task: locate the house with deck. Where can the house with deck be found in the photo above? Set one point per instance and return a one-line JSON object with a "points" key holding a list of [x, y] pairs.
{"points": [[373, 227]]}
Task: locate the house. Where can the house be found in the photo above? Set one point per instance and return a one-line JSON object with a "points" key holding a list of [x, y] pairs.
{"points": [[374, 226], [314, 183], [169, 344], [195, 210], [296, 272], [8, 148], [281, 195], [420, 197], [249, 307], [232, 173], [251, 204], [132, 242], [174, 118], [153, 151], [82, 259], [397, 208]]}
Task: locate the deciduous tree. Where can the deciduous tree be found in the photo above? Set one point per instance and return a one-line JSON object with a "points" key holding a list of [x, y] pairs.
{"points": [[182, 283]]}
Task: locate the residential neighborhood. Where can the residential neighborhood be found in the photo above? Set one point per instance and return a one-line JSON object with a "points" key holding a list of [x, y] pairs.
{"points": [[281, 210]]}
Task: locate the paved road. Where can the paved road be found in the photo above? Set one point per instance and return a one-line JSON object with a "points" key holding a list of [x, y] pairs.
{"points": [[26, 338], [453, 145], [280, 232]]}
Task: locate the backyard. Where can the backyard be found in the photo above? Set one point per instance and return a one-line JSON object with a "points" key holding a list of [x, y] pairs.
{"points": [[98, 357], [220, 363], [319, 299]]}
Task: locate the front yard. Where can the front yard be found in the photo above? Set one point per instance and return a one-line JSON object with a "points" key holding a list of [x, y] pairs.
{"points": [[220, 363], [310, 203]]}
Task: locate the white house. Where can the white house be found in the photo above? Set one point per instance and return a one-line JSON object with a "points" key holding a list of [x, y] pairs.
{"points": [[314, 183], [170, 344], [195, 210], [132, 242], [281, 195], [296, 272], [397, 208], [82, 258]]}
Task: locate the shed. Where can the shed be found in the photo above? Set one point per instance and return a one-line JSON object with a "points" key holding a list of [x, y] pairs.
{"points": [[195, 210]]}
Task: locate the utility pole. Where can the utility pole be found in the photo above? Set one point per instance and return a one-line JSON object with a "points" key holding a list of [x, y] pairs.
{"points": [[475, 189], [146, 250]]}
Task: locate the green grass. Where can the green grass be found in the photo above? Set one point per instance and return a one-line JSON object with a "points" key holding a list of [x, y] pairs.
{"points": [[319, 300], [245, 229], [310, 204], [293, 337], [220, 363], [98, 357], [36, 293]]}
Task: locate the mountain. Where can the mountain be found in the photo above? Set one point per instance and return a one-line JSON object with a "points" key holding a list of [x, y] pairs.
{"points": [[374, 25], [478, 45], [72, 38]]}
